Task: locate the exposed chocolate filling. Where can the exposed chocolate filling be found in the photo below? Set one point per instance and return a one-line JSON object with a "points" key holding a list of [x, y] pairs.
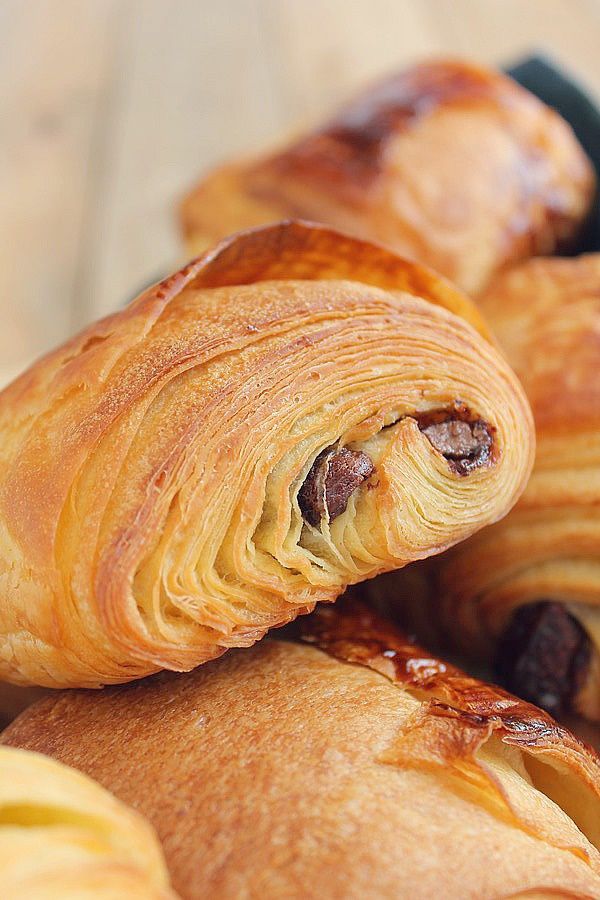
{"points": [[465, 442], [333, 478], [543, 655]]}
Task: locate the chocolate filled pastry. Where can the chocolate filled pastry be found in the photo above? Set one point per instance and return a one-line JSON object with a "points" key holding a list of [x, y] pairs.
{"points": [[526, 592], [294, 412], [63, 837], [346, 762], [451, 164]]}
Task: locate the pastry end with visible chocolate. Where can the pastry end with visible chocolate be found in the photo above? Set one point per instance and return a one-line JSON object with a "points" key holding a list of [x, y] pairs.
{"points": [[543, 655], [333, 478], [464, 441]]}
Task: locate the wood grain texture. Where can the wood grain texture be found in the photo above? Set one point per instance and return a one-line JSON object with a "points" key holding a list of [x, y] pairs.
{"points": [[111, 109]]}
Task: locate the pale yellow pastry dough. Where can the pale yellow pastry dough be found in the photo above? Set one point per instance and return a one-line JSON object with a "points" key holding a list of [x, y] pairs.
{"points": [[63, 837]]}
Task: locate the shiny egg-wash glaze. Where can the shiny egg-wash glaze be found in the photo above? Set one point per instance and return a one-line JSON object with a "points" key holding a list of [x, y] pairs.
{"points": [[448, 163], [343, 762], [151, 468]]}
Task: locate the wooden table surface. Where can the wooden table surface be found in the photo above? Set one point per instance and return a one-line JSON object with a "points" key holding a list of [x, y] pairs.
{"points": [[110, 108]]}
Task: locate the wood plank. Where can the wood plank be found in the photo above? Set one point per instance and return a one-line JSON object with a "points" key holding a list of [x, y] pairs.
{"points": [[196, 88], [503, 31], [112, 108], [324, 50], [328, 49], [55, 68]]}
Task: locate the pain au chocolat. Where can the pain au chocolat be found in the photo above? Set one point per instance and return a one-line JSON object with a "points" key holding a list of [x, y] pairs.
{"points": [[346, 762], [63, 837], [293, 412], [527, 591], [451, 164]]}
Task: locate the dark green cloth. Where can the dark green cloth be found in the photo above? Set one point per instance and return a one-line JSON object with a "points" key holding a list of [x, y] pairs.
{"points": [[544, 79]]}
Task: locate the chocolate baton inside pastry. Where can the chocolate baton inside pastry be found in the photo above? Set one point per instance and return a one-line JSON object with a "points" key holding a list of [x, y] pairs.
{"points": [[63, 837], [543, 655], [448, 163], [527, 591], [333, 478], [346, 762], [242, 441], [465, 442]]}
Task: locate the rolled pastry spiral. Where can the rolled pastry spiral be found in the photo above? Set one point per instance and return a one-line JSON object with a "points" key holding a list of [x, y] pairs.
{"points": [[291, 413], [347, 762], [451, 164], [63, 837], [527, 590]]}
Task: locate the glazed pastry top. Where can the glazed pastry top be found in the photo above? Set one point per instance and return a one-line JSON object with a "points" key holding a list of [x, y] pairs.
{"points": [[448, 163], [345, 753]]}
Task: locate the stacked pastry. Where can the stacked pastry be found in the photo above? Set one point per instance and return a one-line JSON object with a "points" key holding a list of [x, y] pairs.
{"points": [[526, 592], [297, 411], [417, 161], [345, 763]]}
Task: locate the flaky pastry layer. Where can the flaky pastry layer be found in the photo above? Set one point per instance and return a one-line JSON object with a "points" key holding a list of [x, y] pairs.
{"points": [[546, 314], [293, 412]]}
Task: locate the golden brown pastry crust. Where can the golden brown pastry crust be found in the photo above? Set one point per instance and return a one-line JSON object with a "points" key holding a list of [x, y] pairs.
{"points": [[448, 163], [62, 836], [150, 467], [546, 314], [353, 764]]}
